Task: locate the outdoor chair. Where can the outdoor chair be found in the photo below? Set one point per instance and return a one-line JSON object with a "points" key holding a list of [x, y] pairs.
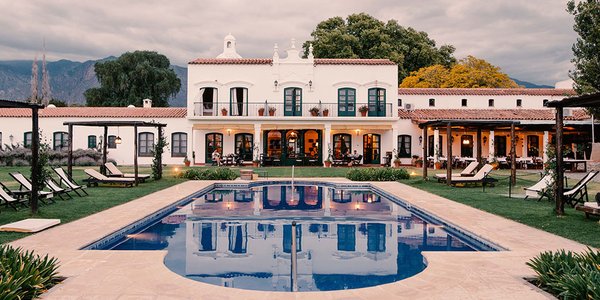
{"points": [[67, 181], [541, 188], [579, 191], [9, 200], [57, 189], [26, 185], [96, 178], [479, 177], [115, 172], [468, 171], [357, 160]]}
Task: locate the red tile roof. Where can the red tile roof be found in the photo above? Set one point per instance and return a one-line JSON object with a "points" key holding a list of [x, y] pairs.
{"points": [[421, 115], [98, 112], [268, 61], [486, 92]]}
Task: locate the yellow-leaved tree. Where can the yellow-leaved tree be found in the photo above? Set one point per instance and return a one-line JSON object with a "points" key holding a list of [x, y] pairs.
{"points": [[470, 72]]}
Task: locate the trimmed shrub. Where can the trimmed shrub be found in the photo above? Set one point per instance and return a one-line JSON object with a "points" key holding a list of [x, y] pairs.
{"points": [[19, 156], [568, 275], [208, 174], [377, 174], [25, 275]]}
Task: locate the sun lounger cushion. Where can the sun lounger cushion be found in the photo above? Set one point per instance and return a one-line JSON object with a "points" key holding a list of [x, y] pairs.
{"points": [[30, 225]]}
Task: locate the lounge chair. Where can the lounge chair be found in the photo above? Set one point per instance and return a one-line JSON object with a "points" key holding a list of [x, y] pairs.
{"points": [[579, 191], [541, 188], [115, 172], [468, 171], [97, 178], [26, 185], [67, 181], [479, 177], [57, 189], [9, 200]]}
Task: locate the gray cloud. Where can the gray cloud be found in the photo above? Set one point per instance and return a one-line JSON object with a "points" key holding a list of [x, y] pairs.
{"points": [[530, 40]]}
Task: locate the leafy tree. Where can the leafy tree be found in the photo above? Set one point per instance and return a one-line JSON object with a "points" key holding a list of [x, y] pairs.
{"points": [[133, 77], [470, 72], [587, 47], [362, 36]]}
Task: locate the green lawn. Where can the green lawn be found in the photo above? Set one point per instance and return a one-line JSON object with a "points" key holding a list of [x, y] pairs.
{"points": [[100, 198]]}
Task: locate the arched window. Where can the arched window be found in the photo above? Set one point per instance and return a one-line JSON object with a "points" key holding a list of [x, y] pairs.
{"points": [[371, 148], [342, 144], [466, 145], [376, 102], [27, 137], [92, 142], [145, 143], [346, 102], [533, 146], [274, 143], [61, 141], [214, 141], [244, 144], [404, 146], [179, 144], [238, 101]]}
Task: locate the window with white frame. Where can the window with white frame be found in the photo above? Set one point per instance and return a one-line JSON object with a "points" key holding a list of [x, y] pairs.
{"points": [[145, 143], [60, 141], [179, 144]]}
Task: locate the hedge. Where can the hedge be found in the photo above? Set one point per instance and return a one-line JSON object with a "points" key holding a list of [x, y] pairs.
{"points": [[377, 174]]}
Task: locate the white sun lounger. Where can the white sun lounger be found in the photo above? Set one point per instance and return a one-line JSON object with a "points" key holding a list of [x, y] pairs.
{"points": [[468, 171], [115, 172], [9, 200], [97, 177], [26, 185], [67, 181], [540, 188], [477, 178]]}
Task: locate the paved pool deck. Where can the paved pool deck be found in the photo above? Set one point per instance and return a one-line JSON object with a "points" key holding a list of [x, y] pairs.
{"points": [[109, 275]]}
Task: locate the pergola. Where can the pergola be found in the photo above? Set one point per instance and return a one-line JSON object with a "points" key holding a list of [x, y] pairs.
{"points": [[35, 146], [592, 100], [477, 125], [105, 125]]}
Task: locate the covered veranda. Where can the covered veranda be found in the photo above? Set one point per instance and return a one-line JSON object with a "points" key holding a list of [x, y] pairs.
{"points": [[35, 146], [586, 101], [106, 124]]}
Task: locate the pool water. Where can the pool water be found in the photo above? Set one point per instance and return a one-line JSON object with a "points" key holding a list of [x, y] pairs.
{"points": [[345, 238]]}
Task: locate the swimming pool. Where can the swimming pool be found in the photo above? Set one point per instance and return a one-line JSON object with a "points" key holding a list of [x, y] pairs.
{"points": [[240, 235]]}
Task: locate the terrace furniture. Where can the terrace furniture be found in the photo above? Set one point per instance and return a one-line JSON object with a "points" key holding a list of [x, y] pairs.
{"points": [[95, 178], [67, 181], [589, 208], [115, 172], [357, 161], [26, 185], [468, 171], [541, 188], [57, 189], [479, 177], [7, 199], [574, 164], [579, 191]]}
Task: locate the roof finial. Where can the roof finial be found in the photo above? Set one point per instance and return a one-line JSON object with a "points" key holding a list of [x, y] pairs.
{"points": [[293, 43], [275, 53], [310, 51]]}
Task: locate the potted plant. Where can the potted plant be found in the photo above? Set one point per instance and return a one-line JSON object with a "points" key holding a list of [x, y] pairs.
{"points": [[437, 165], [256, 162], [272, 110], [314, 111], [224, 111], [325, 112], [261, 111], [413, 161], [363, 110], [186, 161], [494, 162], [327, 163], [419, 162]]}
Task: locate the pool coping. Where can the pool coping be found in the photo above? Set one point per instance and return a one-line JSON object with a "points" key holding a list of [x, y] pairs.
{"points": [[142, 275]]}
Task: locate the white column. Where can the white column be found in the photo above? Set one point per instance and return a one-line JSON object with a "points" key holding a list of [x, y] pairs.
{"points": [[327, 141], [395, 140], [256, 199], [327, 201], [545, 141], [257, 141], [436, 146], [524, 147], [491, 150]]}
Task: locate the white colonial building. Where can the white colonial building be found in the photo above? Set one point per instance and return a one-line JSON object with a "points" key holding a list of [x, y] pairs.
{"points": [[291, 110]]}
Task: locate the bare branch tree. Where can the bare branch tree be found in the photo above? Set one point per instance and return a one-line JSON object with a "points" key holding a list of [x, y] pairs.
{"points": [[46, 93], [34, 81]]}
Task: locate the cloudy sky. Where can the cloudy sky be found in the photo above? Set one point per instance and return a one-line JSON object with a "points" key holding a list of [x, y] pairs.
{"points": [[530, 40]]}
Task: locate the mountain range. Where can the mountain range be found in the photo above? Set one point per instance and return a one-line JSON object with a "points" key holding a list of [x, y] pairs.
{"points": [[70, 79]]}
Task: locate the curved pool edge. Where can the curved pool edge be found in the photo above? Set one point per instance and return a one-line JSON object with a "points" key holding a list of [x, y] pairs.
{"points": [[476, 275]]}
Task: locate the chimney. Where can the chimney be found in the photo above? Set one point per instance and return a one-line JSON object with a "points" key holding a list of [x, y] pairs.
{"points": [[147, 103]]}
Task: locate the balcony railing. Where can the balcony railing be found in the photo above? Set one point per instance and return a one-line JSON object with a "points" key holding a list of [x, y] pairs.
{"points": [[305, 109]]}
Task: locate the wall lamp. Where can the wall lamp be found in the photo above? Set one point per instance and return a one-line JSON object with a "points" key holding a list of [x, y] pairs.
{"points": [[420, 139], [276, 83], [310, 84]]}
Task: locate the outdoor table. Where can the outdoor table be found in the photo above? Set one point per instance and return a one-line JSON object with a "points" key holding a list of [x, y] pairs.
{"points": [[575, 164]]}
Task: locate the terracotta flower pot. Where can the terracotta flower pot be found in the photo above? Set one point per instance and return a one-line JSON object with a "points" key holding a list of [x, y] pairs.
{"points": [[325, 113]]}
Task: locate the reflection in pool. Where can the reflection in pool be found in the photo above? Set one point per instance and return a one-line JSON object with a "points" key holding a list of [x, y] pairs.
{"points": [[344, 239]]}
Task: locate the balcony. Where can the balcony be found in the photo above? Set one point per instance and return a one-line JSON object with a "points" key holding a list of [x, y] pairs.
{"points": [[304, 109]]}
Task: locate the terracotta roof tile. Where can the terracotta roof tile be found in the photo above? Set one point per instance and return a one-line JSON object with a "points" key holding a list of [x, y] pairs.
{"points": [[268, 61], [487, 92], [98, 112], [419, 115]]}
